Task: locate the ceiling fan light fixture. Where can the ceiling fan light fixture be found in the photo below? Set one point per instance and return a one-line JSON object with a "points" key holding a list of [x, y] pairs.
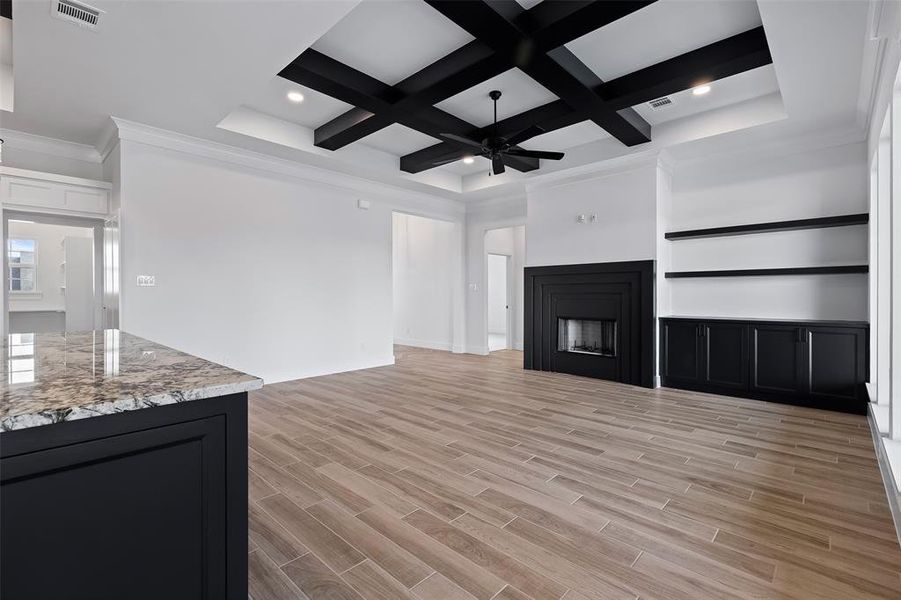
{"points": [[700, 90]]}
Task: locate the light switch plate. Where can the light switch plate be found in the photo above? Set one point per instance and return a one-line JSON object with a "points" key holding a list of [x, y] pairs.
{"points": [[146, 280]]}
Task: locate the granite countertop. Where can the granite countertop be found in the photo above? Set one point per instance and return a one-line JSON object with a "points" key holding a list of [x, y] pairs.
{"points": [[53, 377]]}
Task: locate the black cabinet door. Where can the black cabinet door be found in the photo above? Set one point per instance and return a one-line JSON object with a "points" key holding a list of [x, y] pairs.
{"points": [[777, 365], [837, 363], [139, 515], [724, 355], [681, 355]]}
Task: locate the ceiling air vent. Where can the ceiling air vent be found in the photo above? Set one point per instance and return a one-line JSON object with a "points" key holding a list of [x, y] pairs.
{"points": [[77, 12], [660, 102]]}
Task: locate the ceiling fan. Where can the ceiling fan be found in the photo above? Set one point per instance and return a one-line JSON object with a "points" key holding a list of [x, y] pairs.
{"points": [[495, 147]]}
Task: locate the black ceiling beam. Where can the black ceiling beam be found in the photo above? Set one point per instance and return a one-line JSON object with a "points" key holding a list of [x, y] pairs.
{"points": [[375, 104], [6, 8], [553, 24], [733, 55], [558, 70], [549, 24], [458, 71]]}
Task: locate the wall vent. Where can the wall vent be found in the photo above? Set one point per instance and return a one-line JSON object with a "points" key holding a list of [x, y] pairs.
{"points": [[77, 12], [660, 102]]}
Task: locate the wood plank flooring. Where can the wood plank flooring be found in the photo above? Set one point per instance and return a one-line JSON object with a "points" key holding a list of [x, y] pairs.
{"points": [[458, 477]]}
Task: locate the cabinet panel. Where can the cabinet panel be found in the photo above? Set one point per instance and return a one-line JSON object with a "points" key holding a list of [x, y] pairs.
{"points": [[108, 517], [776, 361], [86, 200], [837, 367], [725, 355], [33, 193], [67, 197], [822, 364], [681, 356]]}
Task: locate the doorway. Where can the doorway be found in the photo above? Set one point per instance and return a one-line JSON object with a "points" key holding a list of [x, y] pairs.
{"points": [[498, 302], [52, 273]]}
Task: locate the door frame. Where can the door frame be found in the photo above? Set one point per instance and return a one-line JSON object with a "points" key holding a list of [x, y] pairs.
{"points": [[508, 294], [97, 224]]}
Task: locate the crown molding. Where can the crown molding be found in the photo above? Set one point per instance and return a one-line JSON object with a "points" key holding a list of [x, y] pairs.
{"points": [[598, 170], [53, 147], [170, 140], [109, 137]]}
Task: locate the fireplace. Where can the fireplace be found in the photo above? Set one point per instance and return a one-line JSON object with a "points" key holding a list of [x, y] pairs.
{"points": [[595, 320], [587, 336]]}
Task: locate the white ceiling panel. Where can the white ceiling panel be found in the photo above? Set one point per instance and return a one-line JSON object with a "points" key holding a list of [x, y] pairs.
{"points": [[568, 137], [731, 90], [315, 110], [664, 29], [398, 139], [520, 93], [391, 39]]}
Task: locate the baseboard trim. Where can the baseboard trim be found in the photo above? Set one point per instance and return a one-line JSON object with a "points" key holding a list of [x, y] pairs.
{"points": [[385, 361], [447, 346], [885, 469]]}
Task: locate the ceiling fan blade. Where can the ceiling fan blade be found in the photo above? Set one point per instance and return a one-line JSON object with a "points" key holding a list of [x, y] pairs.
{"points": [[462, 140], [497, 164], [525, 134], [534, 153]]}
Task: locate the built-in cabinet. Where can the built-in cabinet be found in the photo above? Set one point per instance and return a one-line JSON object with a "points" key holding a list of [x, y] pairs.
{"points": [[815, 363]]}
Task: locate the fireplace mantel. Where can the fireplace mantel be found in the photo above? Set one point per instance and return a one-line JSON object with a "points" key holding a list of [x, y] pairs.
{"points": [[621, 293]]}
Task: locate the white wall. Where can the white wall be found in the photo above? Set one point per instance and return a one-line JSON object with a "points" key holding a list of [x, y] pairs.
{"points": [[49, 295], [754, 188], [423, 280], [626, 207], [497, 293], [271, 274]]}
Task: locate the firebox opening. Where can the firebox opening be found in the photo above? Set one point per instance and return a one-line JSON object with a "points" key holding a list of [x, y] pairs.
{"points": [[587, 336]]}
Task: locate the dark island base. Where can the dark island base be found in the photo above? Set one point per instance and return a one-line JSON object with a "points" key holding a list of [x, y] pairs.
{"points": [[146, 504]]}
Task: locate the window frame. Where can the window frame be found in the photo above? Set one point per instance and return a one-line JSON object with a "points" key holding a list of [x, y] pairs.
{"points": [[11, 265]]}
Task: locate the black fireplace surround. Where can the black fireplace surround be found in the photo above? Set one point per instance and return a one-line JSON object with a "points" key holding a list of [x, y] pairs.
{"points": [[595, 320]]}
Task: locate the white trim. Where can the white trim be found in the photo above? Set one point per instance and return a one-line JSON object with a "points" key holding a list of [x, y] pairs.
{"points": [[18, 295], [106, 142], [44, 176], [591, 172], [45, 145], [152, 136], [885, 469], [353, 366], [446, 346]]}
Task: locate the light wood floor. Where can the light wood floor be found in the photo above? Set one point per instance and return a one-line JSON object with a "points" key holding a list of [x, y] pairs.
{"points": [[459, 477]]}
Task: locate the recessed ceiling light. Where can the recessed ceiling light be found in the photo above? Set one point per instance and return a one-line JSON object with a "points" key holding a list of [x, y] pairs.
{"points": [[468, 160], [700, 90], [295, 96]]}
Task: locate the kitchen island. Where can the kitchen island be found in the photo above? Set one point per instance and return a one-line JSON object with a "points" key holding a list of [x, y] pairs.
{"points": [[123, 470]]}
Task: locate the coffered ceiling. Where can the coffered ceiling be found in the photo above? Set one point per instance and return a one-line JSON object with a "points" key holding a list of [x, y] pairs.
{"points": [[224, 76], [545, 59]]}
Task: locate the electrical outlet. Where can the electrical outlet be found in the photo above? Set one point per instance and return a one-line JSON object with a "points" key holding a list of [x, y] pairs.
{"points": [[146, 280]]}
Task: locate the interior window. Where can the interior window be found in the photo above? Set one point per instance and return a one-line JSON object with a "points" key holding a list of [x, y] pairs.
{"points": [[22, 265]]}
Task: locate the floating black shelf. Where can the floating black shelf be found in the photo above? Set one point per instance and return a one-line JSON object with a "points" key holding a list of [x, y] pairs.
{"points": [[817, 223], [837, 270]]}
